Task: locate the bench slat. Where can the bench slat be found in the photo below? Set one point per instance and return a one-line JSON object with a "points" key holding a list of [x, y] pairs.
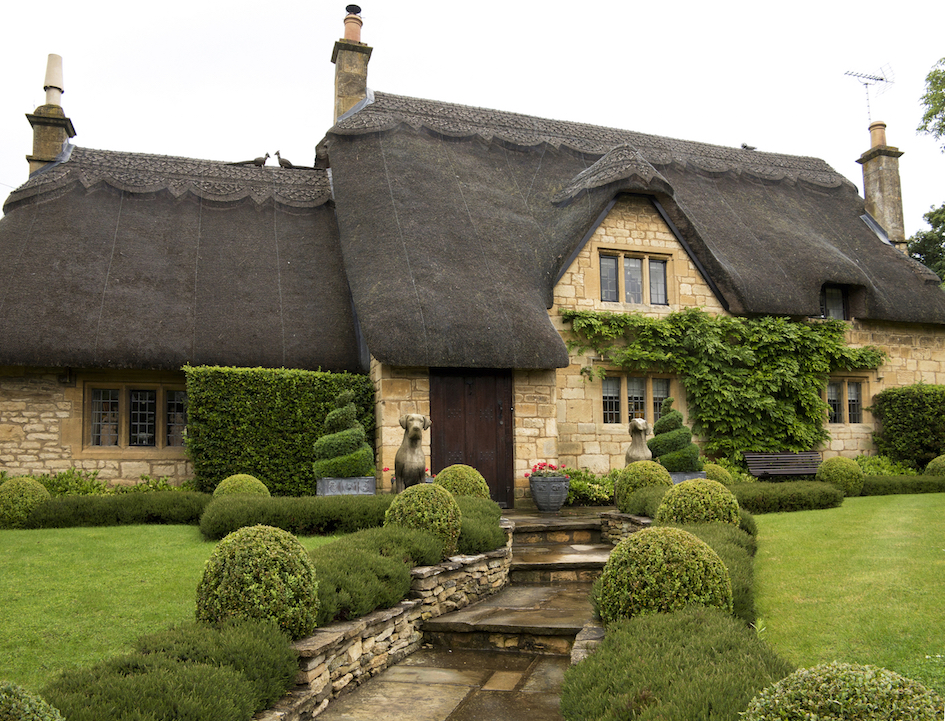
{"points": [[782, 464]]}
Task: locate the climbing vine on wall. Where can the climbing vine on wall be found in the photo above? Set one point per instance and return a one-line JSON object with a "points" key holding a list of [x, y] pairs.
{"points": [[752, 384]]}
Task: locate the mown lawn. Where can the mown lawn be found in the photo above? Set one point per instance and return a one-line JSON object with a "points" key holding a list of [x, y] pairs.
{"points": [[71, 597], [862, 583]]}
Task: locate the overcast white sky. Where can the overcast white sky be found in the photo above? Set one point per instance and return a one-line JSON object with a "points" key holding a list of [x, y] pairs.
{"points": [[233, 80]]}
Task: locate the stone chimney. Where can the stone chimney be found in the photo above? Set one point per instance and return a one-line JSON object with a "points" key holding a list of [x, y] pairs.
{"points": [[350, 57], [881, 186], [51, 127]]}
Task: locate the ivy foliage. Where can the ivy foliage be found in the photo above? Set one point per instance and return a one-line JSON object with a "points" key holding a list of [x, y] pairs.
{"points": [[752, 384]]}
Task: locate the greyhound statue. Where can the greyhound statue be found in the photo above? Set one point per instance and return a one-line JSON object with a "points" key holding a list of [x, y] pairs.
{"points": [[638, 450], [410, 465]]}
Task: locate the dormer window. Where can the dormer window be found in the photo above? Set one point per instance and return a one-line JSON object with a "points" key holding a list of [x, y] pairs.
{"points": [[834, 302], [637, 279]]}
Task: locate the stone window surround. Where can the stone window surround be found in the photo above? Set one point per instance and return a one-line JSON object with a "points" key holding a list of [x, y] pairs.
{"points": [[601, 249], [649, 415], [844, 382]]}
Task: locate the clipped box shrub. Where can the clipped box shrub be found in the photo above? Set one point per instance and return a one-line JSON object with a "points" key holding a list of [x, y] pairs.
{"points": [[241, 483], [845, 692], [479, 527], [936, 467], [427, 507], [301, 516], [143, 688], [343, 452], [698, 501], [18, 704], [637, 475], [463, 480], [644, 502], [884, 466], [696, 663], [891, 485], [672, 444], [659, 570], [260, 572], [763, 497], [844, 473], [715, 472], [184, 507], [18, 497], [258, 649], [911, 423]]}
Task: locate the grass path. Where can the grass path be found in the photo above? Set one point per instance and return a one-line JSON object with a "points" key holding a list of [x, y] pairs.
{"points": [[71, 597], [863, 583]]}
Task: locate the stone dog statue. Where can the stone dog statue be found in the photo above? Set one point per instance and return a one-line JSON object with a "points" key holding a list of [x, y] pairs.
{"points": [[410, 464], [638, 450]]}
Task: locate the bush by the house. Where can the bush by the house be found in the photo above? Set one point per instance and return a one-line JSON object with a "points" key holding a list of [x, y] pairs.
{"points": [[936, 467], [462, 480], [845, 692], [637, 475], [73, 482], [343, 452], [124, 509], [911, 423], [715, 472], [763, 497], [430, 508], [586, 488], [736, 548], [149, 484], [658, 570], [738, 472], [259, 650], [479, 526], [370, 569], [697, 663], [241, 483], [891, 485], [304, 516], [698, 501], [644, 501], [266, 420], [136, 687], [259, 572], [844, 473], [884, 466], [18, 704], [18, 497], [672, 444]]}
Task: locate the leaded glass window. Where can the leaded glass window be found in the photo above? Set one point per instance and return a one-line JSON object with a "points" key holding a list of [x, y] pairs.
{"points": [[611, 394], [660, 394], [142, 416], [608, 279], [835, 402], [105, 416], [633, 280], [636, 397], [176, 417], [658, 294], [854, 402]]}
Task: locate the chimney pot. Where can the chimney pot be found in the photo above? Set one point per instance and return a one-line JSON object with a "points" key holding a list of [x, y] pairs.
{"points": [[53, 84], [877, 134], [353, 24]]}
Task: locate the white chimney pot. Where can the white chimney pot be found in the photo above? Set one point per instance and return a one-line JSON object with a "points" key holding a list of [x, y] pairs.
{"points": [[53, 83]]}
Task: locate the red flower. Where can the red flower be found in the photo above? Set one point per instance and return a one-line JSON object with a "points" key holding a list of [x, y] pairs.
{"points": [[386, 469]]}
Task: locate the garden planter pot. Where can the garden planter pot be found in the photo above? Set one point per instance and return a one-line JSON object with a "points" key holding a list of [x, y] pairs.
{"points": [[549, 492], [357, 486]]}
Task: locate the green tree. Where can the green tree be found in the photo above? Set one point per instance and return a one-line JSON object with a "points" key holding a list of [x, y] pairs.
{"points": [[933, 120], [928, 246]]}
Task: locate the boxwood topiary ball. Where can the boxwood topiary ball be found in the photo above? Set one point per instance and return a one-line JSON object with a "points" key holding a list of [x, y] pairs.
{"points": [[241, 483], [18, 704], [637, 475], [868, 693], [18, 497], [715, 472], [698, 501], [428, 507], [462, 480], [260, 572], [844, 473], [660, 570], [936, 467]]}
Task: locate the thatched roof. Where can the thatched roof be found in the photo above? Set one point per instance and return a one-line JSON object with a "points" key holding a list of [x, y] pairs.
{"points": [[467, 217], [140, 261]]}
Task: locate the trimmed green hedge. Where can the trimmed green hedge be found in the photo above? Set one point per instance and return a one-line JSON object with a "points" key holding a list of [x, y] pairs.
{"points": [[890, 485], [912, 423], [790, 496], [479, 530], [265, 422], [123, 509], [306, 516]]}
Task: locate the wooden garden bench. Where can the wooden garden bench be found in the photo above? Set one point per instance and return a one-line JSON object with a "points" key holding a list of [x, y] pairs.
{"points": [[762, 465]]}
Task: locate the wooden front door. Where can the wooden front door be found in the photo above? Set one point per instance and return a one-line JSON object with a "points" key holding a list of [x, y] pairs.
{"points": [[471, 410]]}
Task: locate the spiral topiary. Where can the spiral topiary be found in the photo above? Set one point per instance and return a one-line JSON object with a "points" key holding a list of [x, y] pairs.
{"points": [[868, 693], [936, 467], [241, 483], [428, 507], [260, 572], [18, 704], [715, 472], [462, 480], [637, 475], [343, 451], [672, 442], [660, 570], [844, 473], [698, 501], [18, 497]]}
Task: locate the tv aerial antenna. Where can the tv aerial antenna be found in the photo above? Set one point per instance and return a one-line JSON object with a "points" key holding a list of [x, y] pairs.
{"points": [[882, 79]]}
